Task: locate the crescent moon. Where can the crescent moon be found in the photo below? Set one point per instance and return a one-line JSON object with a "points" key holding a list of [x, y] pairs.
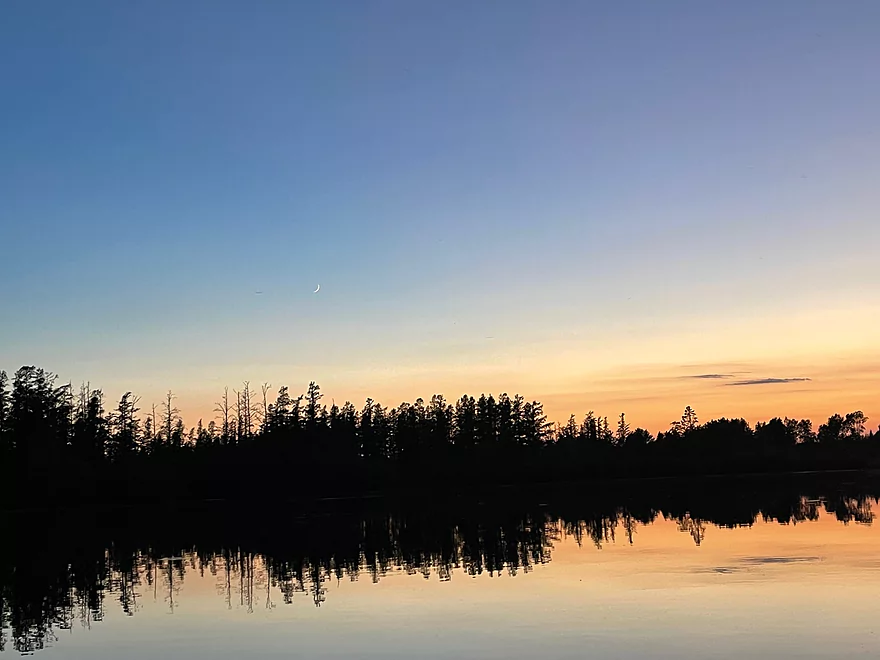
{"points": [[318, 289]]}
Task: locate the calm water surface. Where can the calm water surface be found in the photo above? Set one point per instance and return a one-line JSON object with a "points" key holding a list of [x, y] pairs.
{"points": [[797, 580]]}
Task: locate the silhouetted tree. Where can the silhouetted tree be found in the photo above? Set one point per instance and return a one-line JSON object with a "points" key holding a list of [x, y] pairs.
{"points": [[125, 425], [366, 433], [153, 439], [39, 419], [487, 417], [4, 411], [438, 418], [569, 433], [622, 431], [720, 436], [264, 407], [803, 430], [465, 422], [775, 433], [203, 436], [91, 432], [639, 438], [590, 428], [46, 431], [381, 432], [170, 418], [689, 421], [346, 431], [224, 408], [536, 428], [148, 434], [313, 407], [4, 398], [505, 426], [178, 434], [853, 427], [244, 412], [831, 431]]}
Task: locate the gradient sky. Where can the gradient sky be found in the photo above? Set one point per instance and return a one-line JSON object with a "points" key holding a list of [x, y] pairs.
{"points": [[585, 202]]}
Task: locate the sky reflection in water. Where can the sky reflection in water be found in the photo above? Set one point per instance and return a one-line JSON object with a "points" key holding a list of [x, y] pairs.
{"points": [[683, 588]]}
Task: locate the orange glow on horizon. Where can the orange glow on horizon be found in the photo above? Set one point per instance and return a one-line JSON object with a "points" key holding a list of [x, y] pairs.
{"points": [[800, 363], [649, 398]]}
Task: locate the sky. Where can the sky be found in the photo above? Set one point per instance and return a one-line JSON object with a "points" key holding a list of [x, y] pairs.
{"points": [[589, 203]]}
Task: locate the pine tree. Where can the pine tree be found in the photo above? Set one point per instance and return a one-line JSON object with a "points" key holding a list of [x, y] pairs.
{"points": [[605, 434], [313, 399], [125, 428], [90, 426], [622, 431], [39, 419], [689, 421], [4, 411], [465, 422], [568, 433], [439, 419], [590, 428], [170, 416]]}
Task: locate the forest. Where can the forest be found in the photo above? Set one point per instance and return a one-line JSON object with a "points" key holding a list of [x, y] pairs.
{"points": [[63, 444]]}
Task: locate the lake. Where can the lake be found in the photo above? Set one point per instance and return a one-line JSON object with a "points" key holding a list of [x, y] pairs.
{"points": [[718, 570]]}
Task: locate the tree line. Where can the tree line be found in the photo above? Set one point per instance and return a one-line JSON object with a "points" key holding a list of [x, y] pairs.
{"points": [[51, 432]]}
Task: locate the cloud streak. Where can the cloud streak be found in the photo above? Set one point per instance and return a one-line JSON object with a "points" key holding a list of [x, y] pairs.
{"points": [[709, 376], [768, 381]]}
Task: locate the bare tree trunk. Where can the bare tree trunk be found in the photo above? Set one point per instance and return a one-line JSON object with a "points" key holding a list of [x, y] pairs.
{"points": [[223, 408], [265, 412], [170, 415]]}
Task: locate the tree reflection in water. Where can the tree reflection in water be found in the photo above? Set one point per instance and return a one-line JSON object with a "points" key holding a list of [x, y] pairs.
{"points": [[58, 570]]}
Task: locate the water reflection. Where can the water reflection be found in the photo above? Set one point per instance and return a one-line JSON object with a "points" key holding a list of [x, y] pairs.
{"points": [[63, 569]]}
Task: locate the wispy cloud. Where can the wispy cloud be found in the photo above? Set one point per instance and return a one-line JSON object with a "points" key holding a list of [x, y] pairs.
{"points": [[768, 381], [758, 561], [709, 376]]}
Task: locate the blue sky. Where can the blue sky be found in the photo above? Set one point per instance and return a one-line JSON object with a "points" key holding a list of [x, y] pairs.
{"points": [[590, 174]]}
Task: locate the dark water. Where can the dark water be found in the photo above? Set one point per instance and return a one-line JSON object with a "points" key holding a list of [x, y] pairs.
{"points": [[679, 572]]}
